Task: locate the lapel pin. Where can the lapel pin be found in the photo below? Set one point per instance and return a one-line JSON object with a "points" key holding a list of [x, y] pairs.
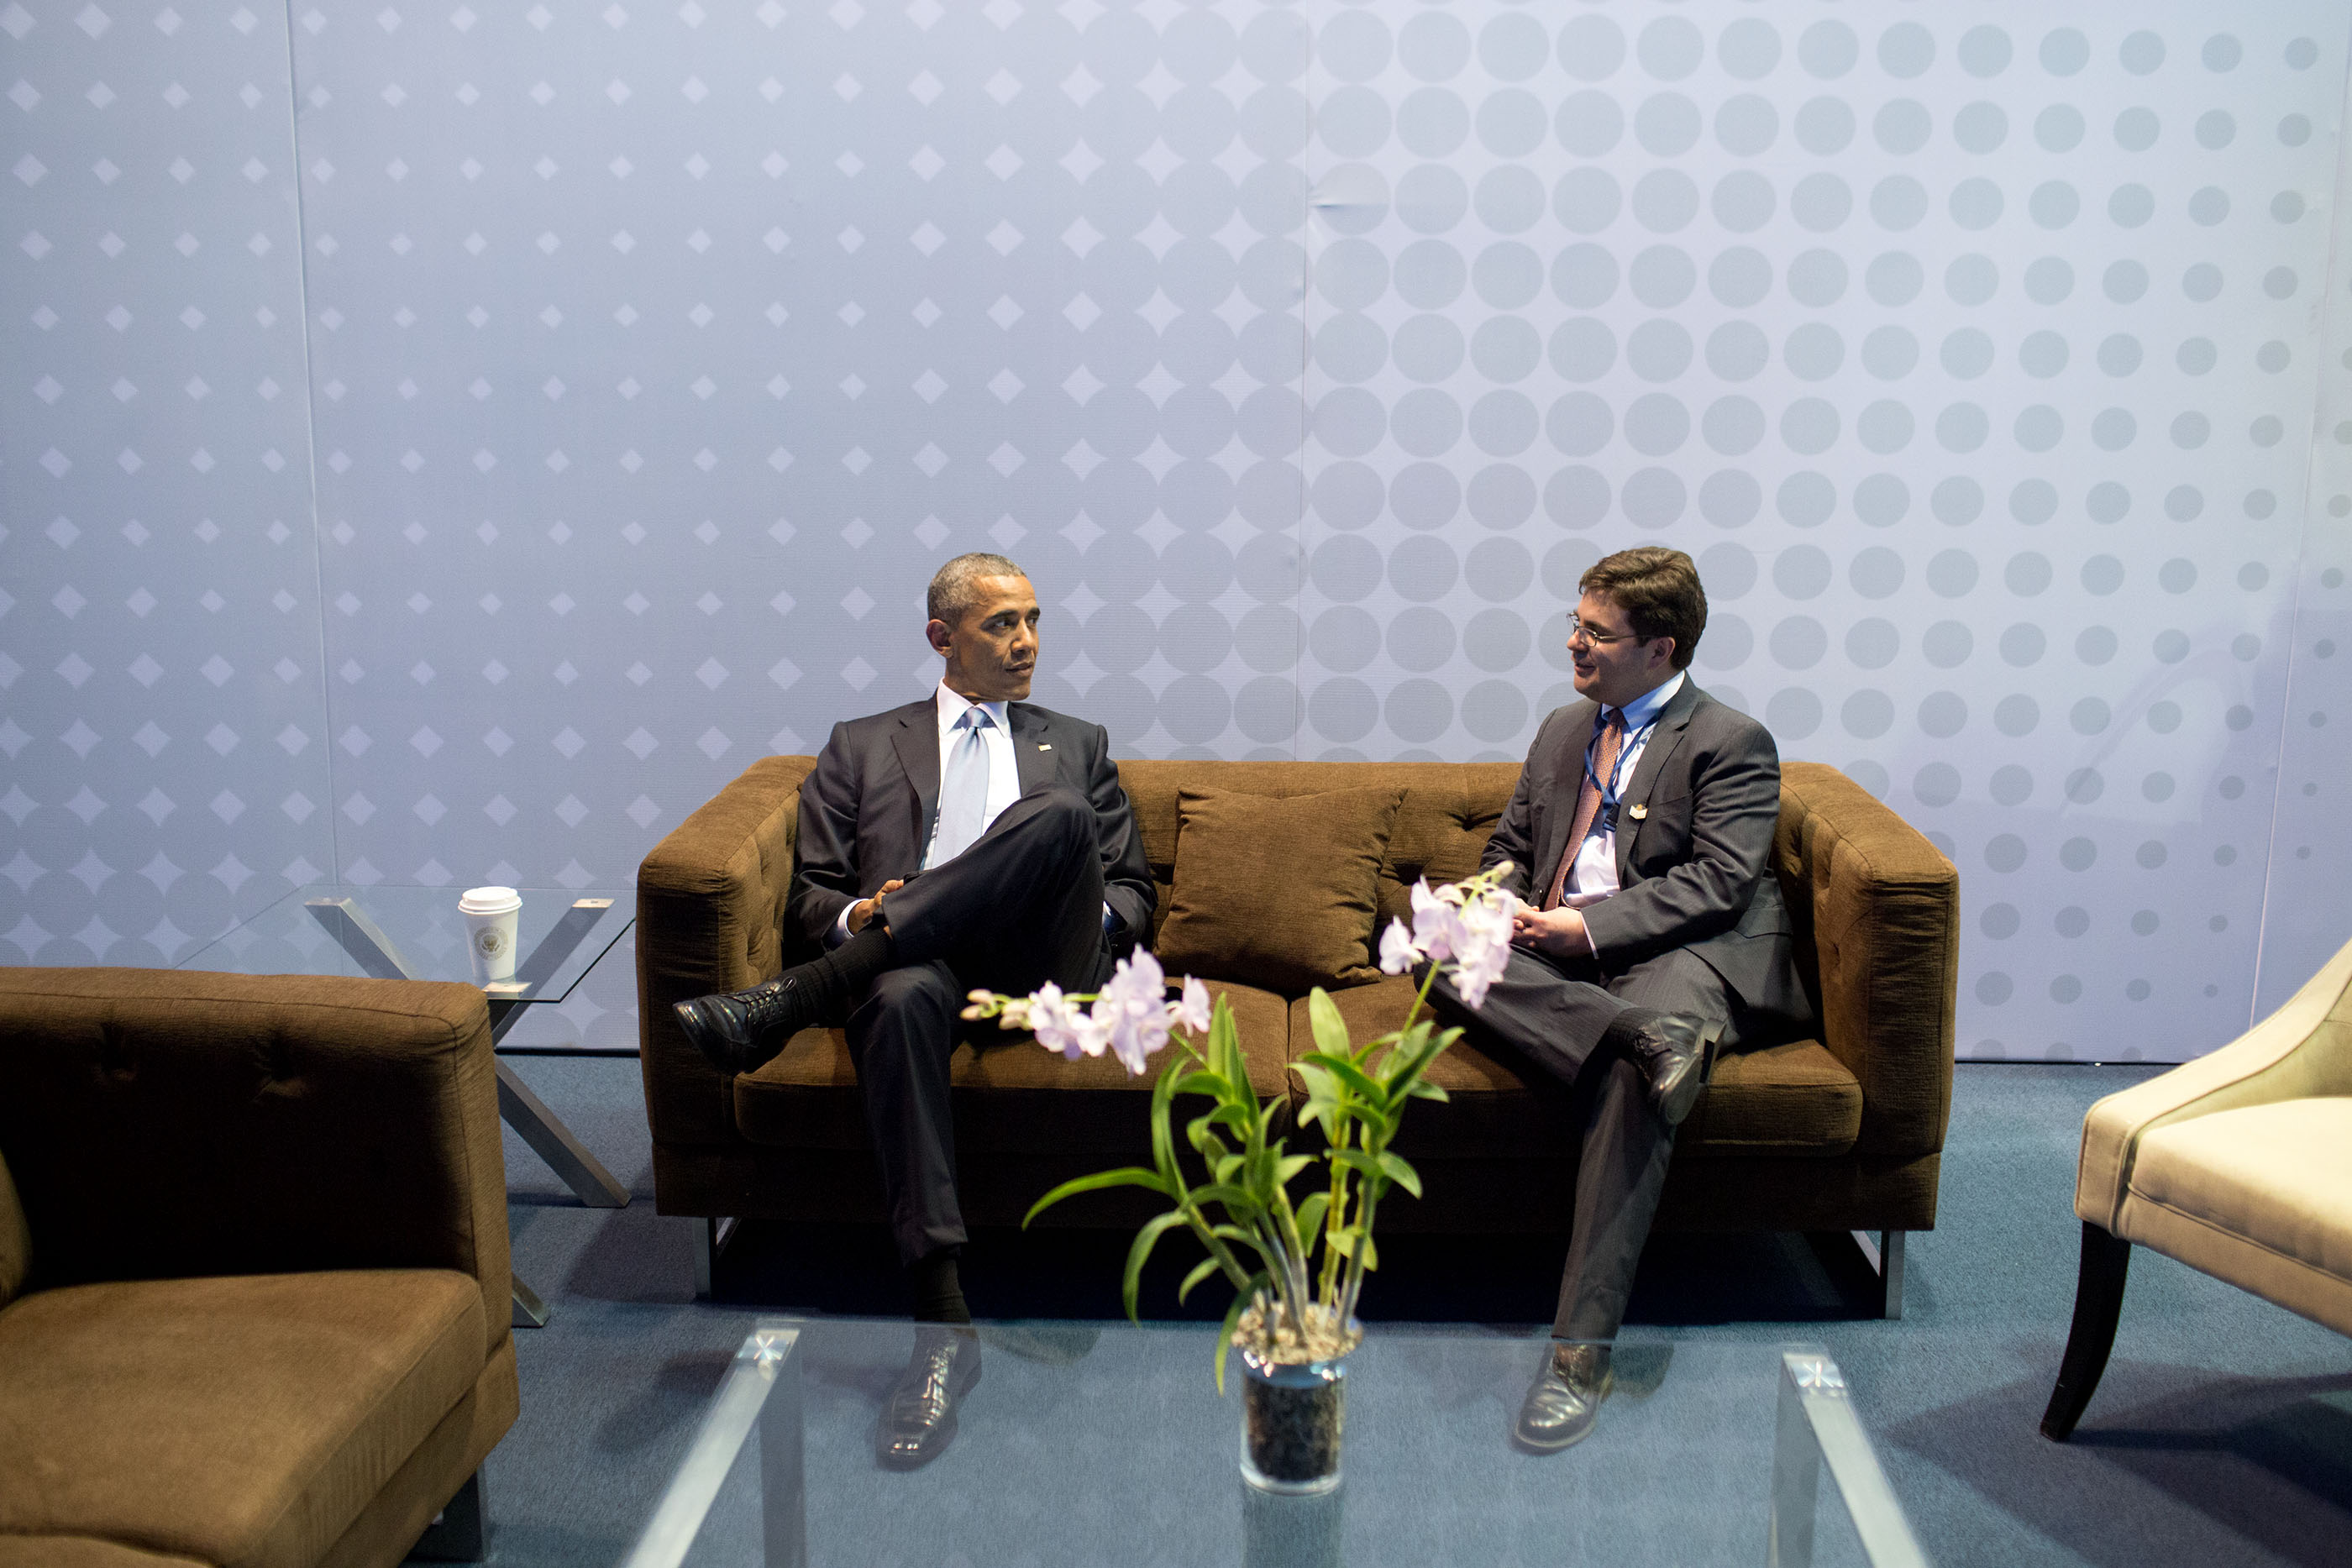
{"points": [[1640, 809], [1045, 745]]}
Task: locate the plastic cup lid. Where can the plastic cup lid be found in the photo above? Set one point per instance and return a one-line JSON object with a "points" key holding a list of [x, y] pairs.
{"points": [[489, 901]]}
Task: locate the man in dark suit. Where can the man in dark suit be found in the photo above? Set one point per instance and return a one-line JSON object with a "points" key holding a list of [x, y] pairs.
{"points": [[1653, 934], [970, 840]]}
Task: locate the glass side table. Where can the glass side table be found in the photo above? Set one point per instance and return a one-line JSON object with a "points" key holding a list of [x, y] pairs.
{"points": [[396, 932], [1092, 1442]]}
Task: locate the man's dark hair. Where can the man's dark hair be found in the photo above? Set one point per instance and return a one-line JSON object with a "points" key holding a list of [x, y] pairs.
{"points": [[953, 592], [1659, 592]]}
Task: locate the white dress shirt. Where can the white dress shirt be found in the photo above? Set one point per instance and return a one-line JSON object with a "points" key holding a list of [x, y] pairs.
{"points": [[1003, 776], [1593, 877], [1003, 773]]}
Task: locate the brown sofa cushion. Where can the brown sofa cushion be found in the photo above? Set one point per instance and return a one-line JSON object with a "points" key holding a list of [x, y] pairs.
{"points": [[1788, 1100], [1449, 810], [1279, 892], [1011, 1096], [83, 1552], [243, 1419], [16, 1242]]}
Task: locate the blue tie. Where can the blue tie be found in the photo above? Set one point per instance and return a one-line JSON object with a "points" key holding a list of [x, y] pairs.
{"points": [[963, 789]]}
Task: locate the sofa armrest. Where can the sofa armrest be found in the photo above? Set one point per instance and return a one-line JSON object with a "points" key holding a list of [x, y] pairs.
{"points": [[1878, 912], [165, 1125], [2300, 1051], [710, 905]]}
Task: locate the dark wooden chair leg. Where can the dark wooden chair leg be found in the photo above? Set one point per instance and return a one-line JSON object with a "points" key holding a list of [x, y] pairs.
{"points": [[2098, 1302], [459, 1532]]}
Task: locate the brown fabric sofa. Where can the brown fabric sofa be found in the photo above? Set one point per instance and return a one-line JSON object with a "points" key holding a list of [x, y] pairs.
{"points": [[253, 1268], [1843, 1131]]}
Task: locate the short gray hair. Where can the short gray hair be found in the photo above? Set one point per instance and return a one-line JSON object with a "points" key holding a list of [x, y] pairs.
{"points": [[951, 591]]}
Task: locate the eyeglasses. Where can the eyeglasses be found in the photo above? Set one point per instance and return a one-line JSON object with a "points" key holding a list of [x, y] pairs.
{"points": [[1579, 630]]}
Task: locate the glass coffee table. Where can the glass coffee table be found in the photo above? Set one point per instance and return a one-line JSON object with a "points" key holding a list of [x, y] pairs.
{"points": [[1087, 1443], [394, 933]]}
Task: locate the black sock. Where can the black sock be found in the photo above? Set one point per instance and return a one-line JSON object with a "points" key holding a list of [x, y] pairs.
{"points": [[939, 1293], [838, 978], [1624, 1031]]}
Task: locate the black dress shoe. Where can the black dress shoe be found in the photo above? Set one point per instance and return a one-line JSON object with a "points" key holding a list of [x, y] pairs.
{"points": [[1675, 1054], [738, 1030], [1565, 1400], [918, 1419]]}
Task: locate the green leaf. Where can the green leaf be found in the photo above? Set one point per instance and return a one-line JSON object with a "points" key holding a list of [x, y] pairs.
{"points": [[1240, 1202], [1310, 1216], [1224, 1042], [1163, 1145], [1232, 1313], [1330, 1029], [1401, 1173], [1289, 1168], [1208, 1266], [1364, 1164], [1148, 1237], [1353, 1076], [1423, 1089], [1129, 1176]]}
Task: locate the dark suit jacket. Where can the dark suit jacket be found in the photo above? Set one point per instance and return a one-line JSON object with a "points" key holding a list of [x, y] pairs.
{"points": [[866, 808], [1694, 869]]}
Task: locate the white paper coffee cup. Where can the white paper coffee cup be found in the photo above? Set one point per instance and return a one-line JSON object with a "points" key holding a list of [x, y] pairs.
{"points": [[491, 916]]}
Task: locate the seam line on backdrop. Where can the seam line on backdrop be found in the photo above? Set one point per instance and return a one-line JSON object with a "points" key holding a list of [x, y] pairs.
{"points": [[1306, 448], [2338, 218], [1309, 244], [310, 449]]}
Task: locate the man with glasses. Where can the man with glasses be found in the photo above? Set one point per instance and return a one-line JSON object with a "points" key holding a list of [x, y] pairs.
{"points": [[1652, 934]]}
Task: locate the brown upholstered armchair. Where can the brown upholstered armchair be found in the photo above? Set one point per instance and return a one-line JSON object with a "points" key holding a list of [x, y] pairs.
{"points": [[253, 1269]]}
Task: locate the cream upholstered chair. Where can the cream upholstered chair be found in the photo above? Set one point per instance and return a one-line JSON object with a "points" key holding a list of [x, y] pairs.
{"points": [[2237, 1164]]}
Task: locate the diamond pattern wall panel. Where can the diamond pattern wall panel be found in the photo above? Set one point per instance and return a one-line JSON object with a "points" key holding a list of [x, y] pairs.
{"points": [[159, 619], [663, 353]]}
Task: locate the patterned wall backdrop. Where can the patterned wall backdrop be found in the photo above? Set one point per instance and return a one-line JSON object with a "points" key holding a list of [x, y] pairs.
{"points": [[655, 353], [160, 698]]}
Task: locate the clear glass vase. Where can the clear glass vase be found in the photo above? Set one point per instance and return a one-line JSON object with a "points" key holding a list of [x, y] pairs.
{"points": [[1293, 1414]]}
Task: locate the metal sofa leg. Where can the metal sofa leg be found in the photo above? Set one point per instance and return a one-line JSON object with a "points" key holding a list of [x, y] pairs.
{"points": [[2099, 1303], [711, 1240], [1885, 1256], [460, 1533]]}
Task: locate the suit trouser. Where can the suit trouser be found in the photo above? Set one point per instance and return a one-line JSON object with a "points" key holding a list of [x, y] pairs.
{"points": [[1021, 907], [1549, 1014]]}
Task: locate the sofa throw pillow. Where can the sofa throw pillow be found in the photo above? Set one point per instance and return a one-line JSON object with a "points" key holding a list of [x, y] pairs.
{"points": [[1277, 891]]}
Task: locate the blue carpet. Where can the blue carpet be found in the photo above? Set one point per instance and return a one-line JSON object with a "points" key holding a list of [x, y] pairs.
{"points": [[2221, 1434]]}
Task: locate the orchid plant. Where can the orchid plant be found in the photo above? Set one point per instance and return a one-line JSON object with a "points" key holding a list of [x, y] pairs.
{"points": [[1297, 1265]]}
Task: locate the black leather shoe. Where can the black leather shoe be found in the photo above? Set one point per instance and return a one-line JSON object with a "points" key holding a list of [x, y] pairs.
{"points": [[918, 1419], [1564, 1402], [739, 1030], [1674, 1055]]}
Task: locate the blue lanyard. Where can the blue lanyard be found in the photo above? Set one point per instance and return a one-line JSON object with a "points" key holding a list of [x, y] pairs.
{"points": [[1625, 748]]}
